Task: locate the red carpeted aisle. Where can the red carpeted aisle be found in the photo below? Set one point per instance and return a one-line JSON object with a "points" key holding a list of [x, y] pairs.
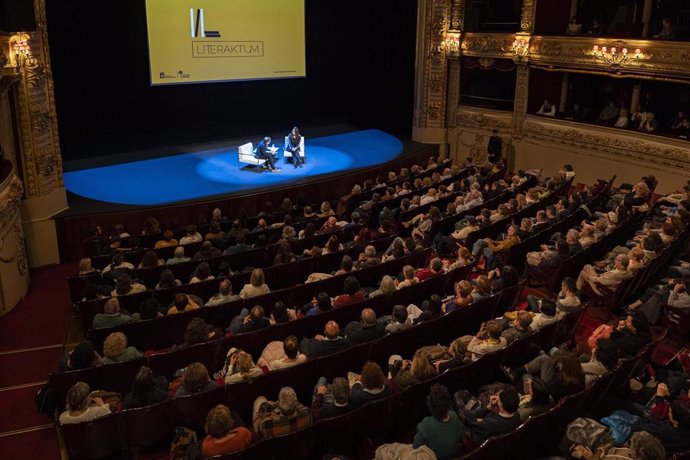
{"points": [[31, 343]]}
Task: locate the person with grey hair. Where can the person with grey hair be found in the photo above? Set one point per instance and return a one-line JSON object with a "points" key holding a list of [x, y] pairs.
{"points": [[611, 279], [178, 257], [367, 258], [573, 240], [276, 418], [111, 316], [81, 407], [330, 400], [224, 295]]}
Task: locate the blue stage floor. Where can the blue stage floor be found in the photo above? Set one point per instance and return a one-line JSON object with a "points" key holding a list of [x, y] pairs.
{"points": [[197, 175]]}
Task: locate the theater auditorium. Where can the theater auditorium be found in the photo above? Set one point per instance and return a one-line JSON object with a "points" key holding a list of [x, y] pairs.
{"points": [[344, 229]]}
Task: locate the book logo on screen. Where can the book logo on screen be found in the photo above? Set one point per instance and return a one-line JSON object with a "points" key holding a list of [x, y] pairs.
{"points": [[197, 25]]}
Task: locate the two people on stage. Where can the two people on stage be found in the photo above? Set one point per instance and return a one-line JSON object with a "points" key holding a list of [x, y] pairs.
{"points": [[266, 151]]}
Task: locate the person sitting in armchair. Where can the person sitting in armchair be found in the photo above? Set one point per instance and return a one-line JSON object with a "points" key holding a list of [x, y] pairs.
{"points": [[294, 142], [264, 152]]}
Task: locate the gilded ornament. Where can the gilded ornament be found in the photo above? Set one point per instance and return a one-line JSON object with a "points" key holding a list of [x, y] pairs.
{"points": [[434, 110], [486, 62], [481, 120], [616, 147]]}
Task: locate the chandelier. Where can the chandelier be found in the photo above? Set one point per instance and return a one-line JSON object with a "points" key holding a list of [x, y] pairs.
{"points": [[616, 55], [21, 50]]}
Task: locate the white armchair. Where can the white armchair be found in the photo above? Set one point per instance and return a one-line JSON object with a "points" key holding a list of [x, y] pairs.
{"points": [[246, 156], [288, 154]]}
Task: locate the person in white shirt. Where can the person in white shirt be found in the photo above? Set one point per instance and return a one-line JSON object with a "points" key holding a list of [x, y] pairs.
{"points": [[281, 355], [546, 315], [118, 263], [192, 236], [81, 407]]}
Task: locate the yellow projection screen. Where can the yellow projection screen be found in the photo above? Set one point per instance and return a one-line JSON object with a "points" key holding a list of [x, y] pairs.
{"points": [[194, 41]]}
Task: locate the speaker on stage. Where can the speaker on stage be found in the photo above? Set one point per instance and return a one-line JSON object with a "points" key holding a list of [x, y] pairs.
{"points": [[17, 16]]}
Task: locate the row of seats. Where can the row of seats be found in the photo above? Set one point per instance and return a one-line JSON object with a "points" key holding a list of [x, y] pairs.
{"points": [[212, 354], [632, 287], [276, 276], [141, 331], [149, 426], [93, 246]]}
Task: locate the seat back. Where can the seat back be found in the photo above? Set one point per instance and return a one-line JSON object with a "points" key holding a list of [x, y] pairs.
{"points": [[191, 410], [119, 376], [246, 150], [138, 429], [95, 439]]}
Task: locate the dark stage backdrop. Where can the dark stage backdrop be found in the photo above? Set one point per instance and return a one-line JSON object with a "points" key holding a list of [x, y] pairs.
{"points": [[360, 70]]}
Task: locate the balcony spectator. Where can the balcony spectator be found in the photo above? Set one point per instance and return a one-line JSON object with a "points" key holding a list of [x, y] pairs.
{"points": [[649, 124], [667, 31], [609, 114], [595, 29], [574, 26], [547, 109]]}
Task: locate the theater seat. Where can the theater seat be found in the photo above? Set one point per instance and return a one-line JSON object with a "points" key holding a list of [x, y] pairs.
{"points": [[246, 156], [96, 439], [138, 429]]}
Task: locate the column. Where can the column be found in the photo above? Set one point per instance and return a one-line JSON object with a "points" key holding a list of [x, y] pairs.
{"points": [[431, 81], [635, 98], [529, 10], [564, 92], [41, 161], [646, 17], [521, 94]]}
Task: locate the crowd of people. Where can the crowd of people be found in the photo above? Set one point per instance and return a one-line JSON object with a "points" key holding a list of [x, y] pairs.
{"points": [[458, 421]]}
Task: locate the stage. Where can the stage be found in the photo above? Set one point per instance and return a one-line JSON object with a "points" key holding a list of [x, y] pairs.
{"points": [[178, 183], [202, 174]]}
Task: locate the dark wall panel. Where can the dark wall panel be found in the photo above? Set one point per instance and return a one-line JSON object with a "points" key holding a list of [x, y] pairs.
{"points": [[360, 70]]}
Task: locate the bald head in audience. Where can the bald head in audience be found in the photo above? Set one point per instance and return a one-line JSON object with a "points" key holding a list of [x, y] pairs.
{"points": [[332, 330], [368, 317]]}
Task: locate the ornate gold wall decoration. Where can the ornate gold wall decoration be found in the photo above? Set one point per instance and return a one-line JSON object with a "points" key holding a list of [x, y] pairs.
{"points": [[486, 62], [41, 158], [434, 110], [435, 83], [489, 45], [479, 120], [529, 11], [10, 201], [612, 147], [658, 59], [456, 9], [432, 93]]}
